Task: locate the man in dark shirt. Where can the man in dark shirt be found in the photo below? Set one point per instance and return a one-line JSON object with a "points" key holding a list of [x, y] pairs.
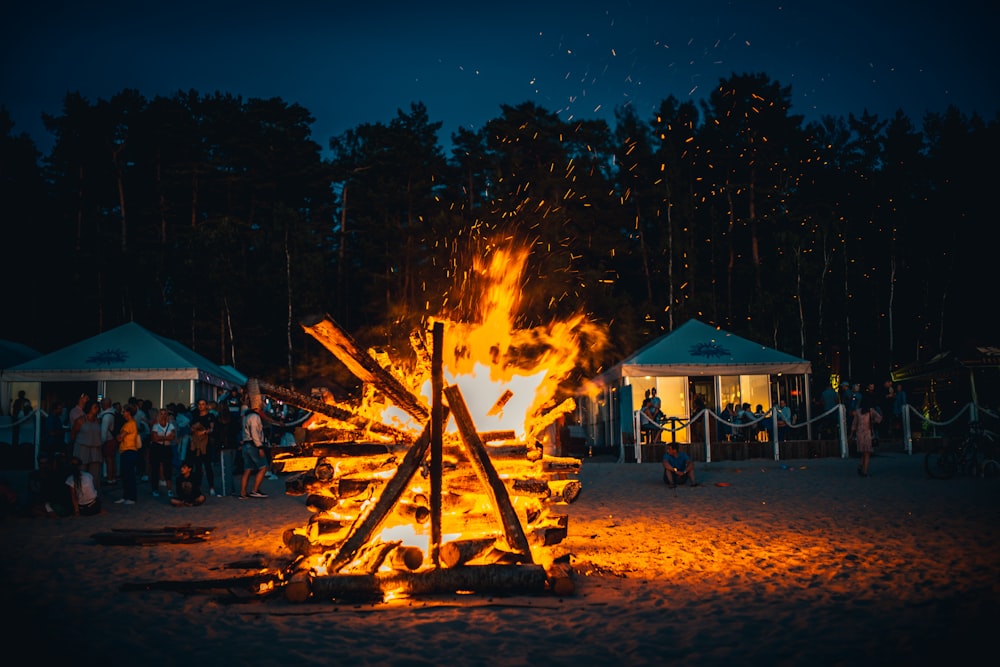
{"points": [[187, 490]]}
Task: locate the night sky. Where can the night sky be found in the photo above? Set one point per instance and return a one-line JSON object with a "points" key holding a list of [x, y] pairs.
{"points": [[358, 62]]}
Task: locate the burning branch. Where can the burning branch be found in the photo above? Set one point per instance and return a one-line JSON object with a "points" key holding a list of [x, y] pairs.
{"points": [[337, 341]]}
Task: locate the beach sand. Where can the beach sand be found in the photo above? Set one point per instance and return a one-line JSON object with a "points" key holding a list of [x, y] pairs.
{"points": [[769, 563]]}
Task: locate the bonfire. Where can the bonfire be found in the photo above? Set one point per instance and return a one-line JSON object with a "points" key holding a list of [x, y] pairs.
{"points": [[445, 477]]}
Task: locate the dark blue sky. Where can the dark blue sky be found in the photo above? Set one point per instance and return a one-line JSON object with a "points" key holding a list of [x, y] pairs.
{"points": [[357, 63]]}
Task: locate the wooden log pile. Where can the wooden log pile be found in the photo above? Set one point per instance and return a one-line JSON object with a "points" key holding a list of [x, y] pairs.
{"points": [[486, 505]]}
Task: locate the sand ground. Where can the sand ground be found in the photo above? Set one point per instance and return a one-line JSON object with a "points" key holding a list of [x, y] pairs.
{"points": [[769, 563]]}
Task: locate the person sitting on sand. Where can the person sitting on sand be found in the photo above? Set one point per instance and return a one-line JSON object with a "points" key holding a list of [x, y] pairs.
{"points": [[677, 467], [83, 489], [187, 491]]}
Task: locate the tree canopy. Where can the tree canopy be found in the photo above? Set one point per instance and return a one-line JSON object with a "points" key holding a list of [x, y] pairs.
{"points": [[857, 243]]}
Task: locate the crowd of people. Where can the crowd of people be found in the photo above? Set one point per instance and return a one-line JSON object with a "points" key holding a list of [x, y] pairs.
{"points": [[103, 449]]}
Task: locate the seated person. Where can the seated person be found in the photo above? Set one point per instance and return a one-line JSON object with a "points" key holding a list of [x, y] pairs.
{"points": [[83, 490], [677, 467], [187, 490], [650, 420]]}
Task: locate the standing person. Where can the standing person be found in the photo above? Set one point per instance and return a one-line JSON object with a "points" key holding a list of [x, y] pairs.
{"points": [[253, 454], [865, 418], [726, 427], [82, 487], [143, 423], [784, 420], [78, 410], [87, 444], [109, 440], [677, 467], [129, 444], [182, 419], [203, 426], [19, 411], [163, 433]]}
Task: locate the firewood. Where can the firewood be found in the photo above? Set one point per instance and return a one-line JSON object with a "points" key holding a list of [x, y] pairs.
{"points": [[406, 558], [481, 463], [459, 552], [561, 464], [566, 490], [334, 412], [390, 495], [340, 343], [300, 544], [485, 579], [418, 513], [321, 503], [560, 579], [335, 450], [298, 587]]}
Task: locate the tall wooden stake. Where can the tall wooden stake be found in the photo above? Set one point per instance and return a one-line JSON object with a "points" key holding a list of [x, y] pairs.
{"points": [[437, 439]]}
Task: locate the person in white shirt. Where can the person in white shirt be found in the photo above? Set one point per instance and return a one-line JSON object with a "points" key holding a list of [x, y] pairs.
{"points": [[82, 490]]}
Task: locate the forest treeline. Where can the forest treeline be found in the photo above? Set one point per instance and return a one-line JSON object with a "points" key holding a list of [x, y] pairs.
{"points": [[859, 243]]}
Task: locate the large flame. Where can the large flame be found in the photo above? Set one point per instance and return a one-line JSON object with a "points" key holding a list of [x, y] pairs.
{"points": [[509, 376]]}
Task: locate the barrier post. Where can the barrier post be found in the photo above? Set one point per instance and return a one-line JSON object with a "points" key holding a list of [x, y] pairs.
{"points": [[841, 419], [774, 430]]}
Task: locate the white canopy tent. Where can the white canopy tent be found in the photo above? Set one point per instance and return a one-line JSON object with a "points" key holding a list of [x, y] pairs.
{"points": [[128, 360], [693, 355]]}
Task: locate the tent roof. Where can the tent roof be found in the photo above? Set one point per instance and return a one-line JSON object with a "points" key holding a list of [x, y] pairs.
{"points": [[12, 354], [125, 352], [696, 348]]}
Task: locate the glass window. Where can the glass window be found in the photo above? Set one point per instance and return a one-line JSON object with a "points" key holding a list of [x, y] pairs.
{"points": [[756, 391], [149, 390], [729, 390], [118, 390], [177, 391]]}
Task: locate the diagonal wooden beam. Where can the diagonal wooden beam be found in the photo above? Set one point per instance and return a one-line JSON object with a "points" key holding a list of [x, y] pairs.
{"points": [[487, 474], [393, 491], [366, 369]]}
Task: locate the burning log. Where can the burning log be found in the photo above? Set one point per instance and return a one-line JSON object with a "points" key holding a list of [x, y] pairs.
{"points": [[321, 503], [370, 558], [353, 450], [300, 544], [486, 579], [420, 514], [257, 386], [565, 490], [460, 552], [406, 558], [487, 474], [390, 495], [363, 366], [542, 422], [560, 579], [550, 530]]}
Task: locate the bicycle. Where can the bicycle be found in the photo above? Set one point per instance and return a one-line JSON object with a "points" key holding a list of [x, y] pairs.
{"points": [[975, 454]]}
